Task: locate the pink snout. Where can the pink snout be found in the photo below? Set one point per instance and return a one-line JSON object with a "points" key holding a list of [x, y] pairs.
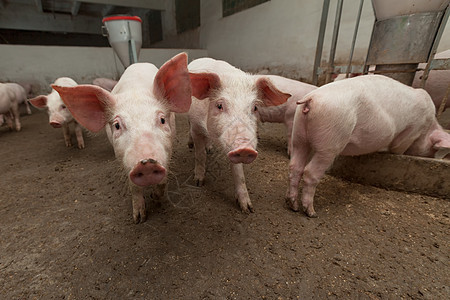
{"points": [[147, 172], [55, 124], [243, 155]]}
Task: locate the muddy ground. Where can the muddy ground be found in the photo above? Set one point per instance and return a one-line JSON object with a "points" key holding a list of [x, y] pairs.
{"points": [[66, 230]]}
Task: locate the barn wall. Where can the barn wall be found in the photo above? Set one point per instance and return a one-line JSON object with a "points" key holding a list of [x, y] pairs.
{"points": [[281, 35], [41, 65]]}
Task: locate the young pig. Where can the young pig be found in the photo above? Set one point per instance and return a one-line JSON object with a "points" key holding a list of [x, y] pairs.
{"points": [[228, 117], [139, 120], [59, 115], [284, 113], [106, 83], [9, 105], [20, 94], [358, 116]]}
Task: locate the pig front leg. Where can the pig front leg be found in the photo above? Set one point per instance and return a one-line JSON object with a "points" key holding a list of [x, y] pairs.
{"points": [[16, 115], [240, 188], [138, 202], [79, 135], [67, 137]]}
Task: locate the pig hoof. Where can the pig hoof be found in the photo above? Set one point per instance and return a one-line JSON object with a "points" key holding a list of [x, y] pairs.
{"points": [[81, 146], [199, 182], [292, 204], [140, 217], [309, 211]]}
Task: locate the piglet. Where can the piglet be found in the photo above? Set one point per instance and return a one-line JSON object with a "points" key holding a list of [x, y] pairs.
{"points": [[358, 116], [106, 83], [284, 113], [139, 119], [224, 110], [59, 115], [21, 94], [9, 105]]}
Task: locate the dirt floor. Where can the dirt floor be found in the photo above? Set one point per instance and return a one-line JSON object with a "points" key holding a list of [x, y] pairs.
{"points": [[66, 230]]}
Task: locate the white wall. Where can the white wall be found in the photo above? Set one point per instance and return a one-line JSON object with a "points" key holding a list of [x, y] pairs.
{"points": [[41, 65], [281, 35]]}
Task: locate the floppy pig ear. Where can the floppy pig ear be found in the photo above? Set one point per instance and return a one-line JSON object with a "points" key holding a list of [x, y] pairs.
{"points": [[203, 84], [269, 93], [173, 84], [39, 101], [87, 103]]}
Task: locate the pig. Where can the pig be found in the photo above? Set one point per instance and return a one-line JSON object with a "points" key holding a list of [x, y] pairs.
{"points": [[9, 105], [224, 110], [138, 116], [20, 94], [284, 113], [59, 115], [106, 83], [358, 116], [437, 83]]}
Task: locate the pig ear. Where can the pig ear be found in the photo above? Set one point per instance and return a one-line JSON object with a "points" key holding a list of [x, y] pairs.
{"points": [[172, 83], [39, 101], [203, 84], [269, 93], [87, 103], [441, 142]]}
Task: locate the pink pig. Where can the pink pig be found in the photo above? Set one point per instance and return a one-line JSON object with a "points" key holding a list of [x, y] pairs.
{"points": [[9, 105], [358, 116], [139, 119], [59, 115], [106, 83], [284, 113], [20, 94], [224, 110]]}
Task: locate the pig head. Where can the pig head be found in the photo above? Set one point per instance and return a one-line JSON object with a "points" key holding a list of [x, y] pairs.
{"points": [[139, 120]]}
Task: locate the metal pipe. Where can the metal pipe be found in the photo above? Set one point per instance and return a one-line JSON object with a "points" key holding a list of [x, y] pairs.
{"points": [[337, 22], [435, 45], [355, 33], [319, 47]]}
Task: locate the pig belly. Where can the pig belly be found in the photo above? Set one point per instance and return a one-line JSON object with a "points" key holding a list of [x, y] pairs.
{"points": [[5, 106], [365, 141]]}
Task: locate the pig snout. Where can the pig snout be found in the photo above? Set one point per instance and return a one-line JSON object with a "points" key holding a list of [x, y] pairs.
{"points": [[147, 172], [55, 124], [244, 155]]}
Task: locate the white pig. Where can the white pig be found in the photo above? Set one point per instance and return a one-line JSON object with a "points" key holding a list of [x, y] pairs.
{"points": [[358, 116], [139, 120], [9, 105], [20, 94], [284, 113], [106, 83], [59, 115], [228, 116]]}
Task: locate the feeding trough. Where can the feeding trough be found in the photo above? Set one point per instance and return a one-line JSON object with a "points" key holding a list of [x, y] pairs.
{"points": [[125, 37]]}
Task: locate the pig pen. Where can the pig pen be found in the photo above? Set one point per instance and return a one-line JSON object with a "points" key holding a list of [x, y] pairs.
{"points": [[67, 230]]}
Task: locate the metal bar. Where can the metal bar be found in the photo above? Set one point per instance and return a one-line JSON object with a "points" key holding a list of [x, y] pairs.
{"points": [[355, 33], [366, 67], [435, 45], [444, 101], [319, 47], [337, 22]]}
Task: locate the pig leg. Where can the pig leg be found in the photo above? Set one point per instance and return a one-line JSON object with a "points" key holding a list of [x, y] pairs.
{"points": [[9, 121], [200, 157], [15, 114], [67, 137], [299, 158], [79, 134], [313, 173], [138, 202], [28, 107], [240, 188]]}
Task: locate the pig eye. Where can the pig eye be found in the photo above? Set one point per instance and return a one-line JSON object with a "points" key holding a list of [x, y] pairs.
{"points": [[255, 108], [163, 121], [219, 106], [63, 106], [116, 125]]}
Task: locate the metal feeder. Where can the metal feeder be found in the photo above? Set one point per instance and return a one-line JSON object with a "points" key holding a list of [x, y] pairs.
{"points": [[125, 37]]}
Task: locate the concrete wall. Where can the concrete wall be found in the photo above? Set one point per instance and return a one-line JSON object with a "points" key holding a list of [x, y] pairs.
{"points": [[41, 65], [281, 35]]}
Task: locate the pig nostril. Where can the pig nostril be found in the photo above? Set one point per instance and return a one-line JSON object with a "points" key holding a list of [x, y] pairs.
{"points": [[139, 175]]}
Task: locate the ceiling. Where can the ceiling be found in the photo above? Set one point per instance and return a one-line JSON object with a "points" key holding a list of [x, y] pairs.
{"points": [[73, 16]]}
